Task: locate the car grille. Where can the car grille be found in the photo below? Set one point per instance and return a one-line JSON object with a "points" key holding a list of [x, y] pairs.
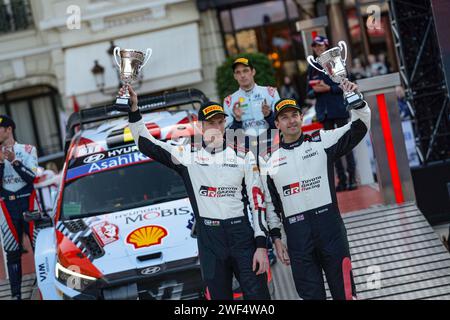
{"points": [[183, 285], [93, 248], [75, 226]]}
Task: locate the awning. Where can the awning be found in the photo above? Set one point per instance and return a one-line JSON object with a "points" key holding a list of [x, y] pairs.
{"points": [[215, 4]]}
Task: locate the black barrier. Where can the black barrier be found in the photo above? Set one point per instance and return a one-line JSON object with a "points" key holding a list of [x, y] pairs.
{"points": [[431, 189]]}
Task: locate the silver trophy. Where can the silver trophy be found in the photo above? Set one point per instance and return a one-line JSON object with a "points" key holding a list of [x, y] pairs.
{"points": [[334, 66], [130, 63]]}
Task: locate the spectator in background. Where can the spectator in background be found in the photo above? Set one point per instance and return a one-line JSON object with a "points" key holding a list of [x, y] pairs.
{"points": [[385, 63], [288, 91], [18, 166], [375, 68], [331, 112], [405, 113], [358, 71]]}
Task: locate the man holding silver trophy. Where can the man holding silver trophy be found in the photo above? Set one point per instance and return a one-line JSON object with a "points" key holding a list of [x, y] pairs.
{"points": [[298, 177], [220, 179], [325, 74]]}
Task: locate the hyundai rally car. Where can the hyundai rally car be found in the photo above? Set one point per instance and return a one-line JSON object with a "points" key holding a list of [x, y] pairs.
{"points": [[122, 223]]}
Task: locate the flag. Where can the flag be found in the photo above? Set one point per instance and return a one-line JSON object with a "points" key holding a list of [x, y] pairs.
{"points": [[76, 106]]}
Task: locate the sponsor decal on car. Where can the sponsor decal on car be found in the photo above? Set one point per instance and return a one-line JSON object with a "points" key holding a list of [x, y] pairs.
{"points": [[147, 214], [94, 158], [106, 232], [105, 164], [151, 270], [147, 236], [44, 270], [191, 221]]}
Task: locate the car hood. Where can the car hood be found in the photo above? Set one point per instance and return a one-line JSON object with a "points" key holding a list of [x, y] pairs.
{"points": [[136, 238]]}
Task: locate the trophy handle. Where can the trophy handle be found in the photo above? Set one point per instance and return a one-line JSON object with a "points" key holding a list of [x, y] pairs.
{"points": [[343, 47], [312, 62], [148, 54], [116, 54]]}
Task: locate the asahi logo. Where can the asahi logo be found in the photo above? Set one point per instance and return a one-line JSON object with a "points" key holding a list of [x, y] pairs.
{"points": [[94, 158]]}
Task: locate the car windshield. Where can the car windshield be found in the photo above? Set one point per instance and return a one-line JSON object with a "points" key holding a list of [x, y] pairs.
{"points": [[121, 189]]}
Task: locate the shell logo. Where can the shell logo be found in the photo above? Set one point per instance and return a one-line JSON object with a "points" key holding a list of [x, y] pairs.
{"points": [[146, 236]]}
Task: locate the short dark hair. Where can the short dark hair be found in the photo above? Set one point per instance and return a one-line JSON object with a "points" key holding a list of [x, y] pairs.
{"points": [[6, 121]]}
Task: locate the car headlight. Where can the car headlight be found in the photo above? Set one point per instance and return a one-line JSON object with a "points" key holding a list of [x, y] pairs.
{"points": [[73, 279]]}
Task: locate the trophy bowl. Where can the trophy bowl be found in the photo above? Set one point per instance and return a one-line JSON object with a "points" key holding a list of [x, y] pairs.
{"points": [[333, 65], [130, 63]]}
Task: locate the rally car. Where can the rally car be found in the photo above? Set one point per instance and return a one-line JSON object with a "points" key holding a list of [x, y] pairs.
{"points": [[122, 226]]}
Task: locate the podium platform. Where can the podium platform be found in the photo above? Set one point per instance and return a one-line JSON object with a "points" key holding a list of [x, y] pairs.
{"points": [[397, 240]]}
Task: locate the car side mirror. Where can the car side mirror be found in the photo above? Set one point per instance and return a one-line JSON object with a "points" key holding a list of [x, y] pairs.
{"points": [[40, 219]]}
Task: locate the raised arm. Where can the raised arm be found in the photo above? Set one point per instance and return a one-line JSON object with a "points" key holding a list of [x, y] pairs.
{"points": [[163, 152], [340, 141]]}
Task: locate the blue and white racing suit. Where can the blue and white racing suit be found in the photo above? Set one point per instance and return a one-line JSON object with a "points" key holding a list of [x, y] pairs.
{"points": [[253, 121], [17, 196]]}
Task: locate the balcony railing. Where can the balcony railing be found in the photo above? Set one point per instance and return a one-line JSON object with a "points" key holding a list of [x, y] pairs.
{"points": [[15, 15]]}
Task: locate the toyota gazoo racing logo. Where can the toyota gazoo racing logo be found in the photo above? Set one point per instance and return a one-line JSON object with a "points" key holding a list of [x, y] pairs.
{"points": [[151, 270], [291, 189], [219, 192], [208, 191], [94, 158]]}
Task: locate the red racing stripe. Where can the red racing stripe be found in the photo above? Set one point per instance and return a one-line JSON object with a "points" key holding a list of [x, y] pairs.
{"points": [[346, 274], [9, 221], [390, 151]]}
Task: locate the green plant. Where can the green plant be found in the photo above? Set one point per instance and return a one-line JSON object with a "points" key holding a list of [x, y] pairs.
{"points": [[265, 74]]}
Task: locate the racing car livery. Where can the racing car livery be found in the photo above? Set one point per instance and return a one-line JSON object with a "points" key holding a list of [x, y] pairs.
{"points": [[122, 226], [123, 223]]}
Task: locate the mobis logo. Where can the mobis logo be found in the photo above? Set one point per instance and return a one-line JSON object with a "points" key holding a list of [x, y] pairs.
{"points": [[291, 189]]}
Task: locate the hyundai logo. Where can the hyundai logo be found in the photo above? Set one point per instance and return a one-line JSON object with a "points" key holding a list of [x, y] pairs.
{"points": [[151, 270], [94, 158]]}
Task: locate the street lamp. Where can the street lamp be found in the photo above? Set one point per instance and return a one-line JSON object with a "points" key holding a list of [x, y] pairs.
{"points": [[99, 74]]}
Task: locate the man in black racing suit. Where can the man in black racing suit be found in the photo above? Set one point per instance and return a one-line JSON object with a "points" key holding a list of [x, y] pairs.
{"points": [[221, 181], [299, 182]]}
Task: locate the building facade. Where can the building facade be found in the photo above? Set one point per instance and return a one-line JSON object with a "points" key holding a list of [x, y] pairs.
{"points": [[48, 49]]}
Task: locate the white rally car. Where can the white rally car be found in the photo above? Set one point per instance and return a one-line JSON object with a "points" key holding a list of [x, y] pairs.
{"points": [[122, 226]]}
